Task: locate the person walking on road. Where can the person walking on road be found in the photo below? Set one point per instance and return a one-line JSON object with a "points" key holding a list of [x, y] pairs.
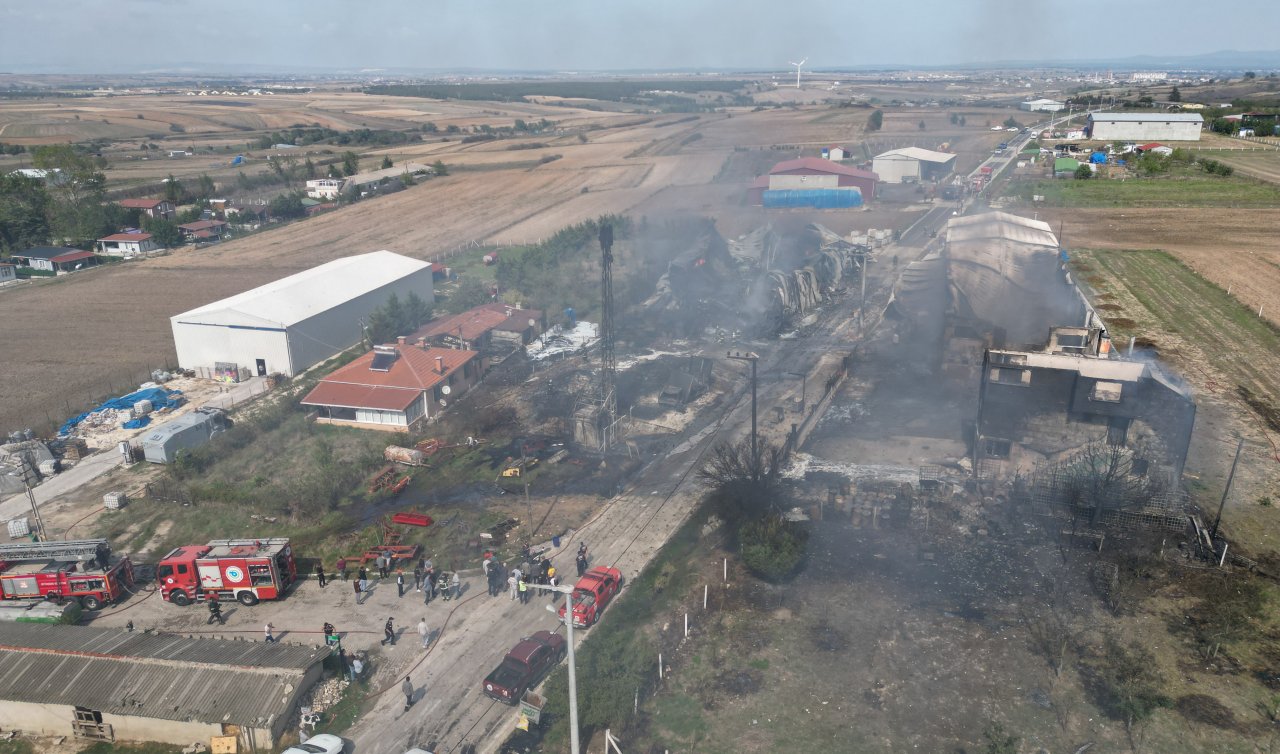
{"points": [[523, 586], [553, 581], [215, 611], [424, 632], [363, 583], [356, 586], [407, 688], [443, 584], [380, 564], [399, 584], [388, 634], [511, 584], [267, 629], [417, 578], [455, 585], [320, 574], [341, 565]]}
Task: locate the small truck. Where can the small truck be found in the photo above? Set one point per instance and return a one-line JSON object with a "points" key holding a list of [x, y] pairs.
{"points": [[524, 666], [592, 594]]}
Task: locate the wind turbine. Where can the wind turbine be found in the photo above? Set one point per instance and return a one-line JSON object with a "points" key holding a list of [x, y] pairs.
{"points": [[798, 65]]}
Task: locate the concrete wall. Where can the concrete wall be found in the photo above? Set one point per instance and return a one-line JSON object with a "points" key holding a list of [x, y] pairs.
{"points": [[1151, 130], [894, 169], [56, 720], [819, 181], [204, 345]]}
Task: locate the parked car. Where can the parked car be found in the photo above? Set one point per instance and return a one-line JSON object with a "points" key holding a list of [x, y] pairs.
{"points": [[321, 743], [592, 594], [525, 665]]}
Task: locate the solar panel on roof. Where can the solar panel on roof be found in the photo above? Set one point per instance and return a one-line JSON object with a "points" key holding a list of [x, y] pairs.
{"points": [[382, 361]]}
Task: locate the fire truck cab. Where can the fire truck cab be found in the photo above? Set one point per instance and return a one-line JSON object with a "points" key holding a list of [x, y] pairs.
{"points": [[82, 570], [246, 570]]}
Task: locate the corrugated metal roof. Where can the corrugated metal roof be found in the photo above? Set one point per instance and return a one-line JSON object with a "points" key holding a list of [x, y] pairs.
{"points": [[822, 166], [152, 675], [916, 153], [126, 237], [295, 298], [1002, 225], [1151, 117]]}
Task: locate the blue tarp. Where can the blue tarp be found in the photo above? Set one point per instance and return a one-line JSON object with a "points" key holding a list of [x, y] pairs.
{"points": [[159, 397], [138, 423], [816, 198]]}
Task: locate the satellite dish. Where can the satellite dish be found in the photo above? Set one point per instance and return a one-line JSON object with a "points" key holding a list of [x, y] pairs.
{"points": [[446, 389], [533, 322]]}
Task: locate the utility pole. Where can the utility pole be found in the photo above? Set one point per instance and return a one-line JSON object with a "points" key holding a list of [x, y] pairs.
{"points": [[608, 365], [755, 455], [573, 673], [804, 382], [524, 477], [35, 510], [1226, 491]]}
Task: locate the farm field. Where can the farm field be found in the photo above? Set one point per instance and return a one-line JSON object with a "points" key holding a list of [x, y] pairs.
{"points": [[1229, 355], [1193, 190], [1263, 165], [122, 311]]}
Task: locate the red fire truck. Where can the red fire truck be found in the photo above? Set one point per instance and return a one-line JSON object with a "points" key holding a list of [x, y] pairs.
{"points": [[84, 570], [247, 570]]}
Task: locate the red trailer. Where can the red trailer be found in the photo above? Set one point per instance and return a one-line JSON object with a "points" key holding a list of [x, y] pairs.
{"points": [[82, 570], [247, 570]]}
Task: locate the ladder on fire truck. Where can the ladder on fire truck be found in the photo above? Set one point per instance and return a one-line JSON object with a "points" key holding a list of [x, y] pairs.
{"points": [[77, 550]]}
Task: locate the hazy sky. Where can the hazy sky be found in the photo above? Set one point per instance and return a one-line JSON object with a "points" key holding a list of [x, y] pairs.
{"points": [[92, 36]]}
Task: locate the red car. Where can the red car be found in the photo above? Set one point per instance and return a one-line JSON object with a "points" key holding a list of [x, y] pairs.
{"points": [[524, 666], [593, 592]]}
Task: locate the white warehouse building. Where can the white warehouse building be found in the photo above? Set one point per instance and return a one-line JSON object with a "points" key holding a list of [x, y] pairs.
{"points": [[912, 165], [296, 322], [1144, 127]]}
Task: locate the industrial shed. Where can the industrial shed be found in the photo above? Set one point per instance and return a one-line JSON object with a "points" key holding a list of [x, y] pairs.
{"points": [[912, 165], [1148, 126], [813, 174], [117, 685], [296, 322]]}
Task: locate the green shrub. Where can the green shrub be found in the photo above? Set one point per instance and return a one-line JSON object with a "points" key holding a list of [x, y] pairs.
{"points": [[772, 547]]}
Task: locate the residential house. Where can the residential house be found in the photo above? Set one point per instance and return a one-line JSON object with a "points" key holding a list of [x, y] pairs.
{"points": [[59, 259], [203, 230], [126, 244], [492, 329], [158, 208], [327, 189], [395, 387]]}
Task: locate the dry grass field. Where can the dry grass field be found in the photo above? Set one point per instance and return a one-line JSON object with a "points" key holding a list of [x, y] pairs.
{"points": [[102, 329]]}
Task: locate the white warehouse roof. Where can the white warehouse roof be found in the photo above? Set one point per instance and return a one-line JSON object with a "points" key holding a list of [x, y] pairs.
{"points": [[290, 300], [1151, 117], [916, 153]]}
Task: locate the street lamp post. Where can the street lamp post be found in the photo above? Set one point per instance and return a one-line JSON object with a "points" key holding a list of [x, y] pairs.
{"points": [[753, 358], [573, 675]]}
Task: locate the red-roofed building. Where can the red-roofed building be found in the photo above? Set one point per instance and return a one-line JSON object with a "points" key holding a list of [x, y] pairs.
{"points": [[395, 387], [203, 230], [487, 327], [161, 208], [126, 244], [815, 173]]}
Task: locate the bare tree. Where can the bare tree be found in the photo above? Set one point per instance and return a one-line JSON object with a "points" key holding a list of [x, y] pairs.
{"points": [[743, 486], [1104, 476]]}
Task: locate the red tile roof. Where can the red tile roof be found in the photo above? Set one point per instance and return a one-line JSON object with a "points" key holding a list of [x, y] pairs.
{"points": [[474, 323], [1152, 145], [412, 373], [142, 203], [202, 225], [72, 256], [822, 166], [127, 237]]}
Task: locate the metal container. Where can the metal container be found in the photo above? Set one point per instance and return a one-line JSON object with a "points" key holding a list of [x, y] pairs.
{"points": [[19, 527]]}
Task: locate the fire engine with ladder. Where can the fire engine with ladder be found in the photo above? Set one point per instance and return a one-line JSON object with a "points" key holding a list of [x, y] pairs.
{"points": [[83, 570], [246, 570]]}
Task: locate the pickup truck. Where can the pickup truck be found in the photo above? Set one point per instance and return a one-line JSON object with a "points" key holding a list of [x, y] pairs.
{"points": [[524, 666], [592, 594]]}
